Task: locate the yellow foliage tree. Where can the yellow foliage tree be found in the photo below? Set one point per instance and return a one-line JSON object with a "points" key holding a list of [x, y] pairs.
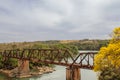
{"points": [[107, 61], [109, 57]]}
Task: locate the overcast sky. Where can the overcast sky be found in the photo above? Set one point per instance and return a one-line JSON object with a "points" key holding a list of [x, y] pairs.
{"points": [[36, 20]]}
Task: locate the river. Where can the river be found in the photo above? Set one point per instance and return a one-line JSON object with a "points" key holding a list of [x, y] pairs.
{"points": [[59, 74]]}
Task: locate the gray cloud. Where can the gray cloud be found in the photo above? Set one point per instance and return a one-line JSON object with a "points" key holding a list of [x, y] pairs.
{"points": [[29, 20]]}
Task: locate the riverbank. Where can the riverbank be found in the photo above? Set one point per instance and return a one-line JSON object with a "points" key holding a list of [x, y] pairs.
{"points": [[34, 72]]}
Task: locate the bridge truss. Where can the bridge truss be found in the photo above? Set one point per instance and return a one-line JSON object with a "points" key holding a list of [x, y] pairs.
{"points": [[61, 57]]}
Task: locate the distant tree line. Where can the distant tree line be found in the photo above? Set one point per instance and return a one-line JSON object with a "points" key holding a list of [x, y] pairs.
{"points": [[90, 44], [85, 44]]}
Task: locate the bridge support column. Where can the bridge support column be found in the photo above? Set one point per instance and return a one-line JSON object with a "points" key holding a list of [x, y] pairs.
{"points": [[73, 73], [23, 67]]}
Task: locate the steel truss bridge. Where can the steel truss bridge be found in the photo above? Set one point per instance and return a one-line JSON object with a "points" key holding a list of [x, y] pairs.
{"points": [[61, 57]]}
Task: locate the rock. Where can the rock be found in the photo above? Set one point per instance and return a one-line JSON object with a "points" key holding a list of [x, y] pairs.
{"points": [[15, 72]]}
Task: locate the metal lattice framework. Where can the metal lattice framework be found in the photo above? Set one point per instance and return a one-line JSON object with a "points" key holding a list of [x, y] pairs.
{"points": [[52, 56]]}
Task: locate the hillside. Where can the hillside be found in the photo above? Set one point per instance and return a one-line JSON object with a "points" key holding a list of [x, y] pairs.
{"points": [[85, 44]]}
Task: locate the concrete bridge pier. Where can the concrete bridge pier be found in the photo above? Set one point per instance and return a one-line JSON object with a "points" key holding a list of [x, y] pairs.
{"points": [[23, 67], [73, 73], [22, 70]]}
